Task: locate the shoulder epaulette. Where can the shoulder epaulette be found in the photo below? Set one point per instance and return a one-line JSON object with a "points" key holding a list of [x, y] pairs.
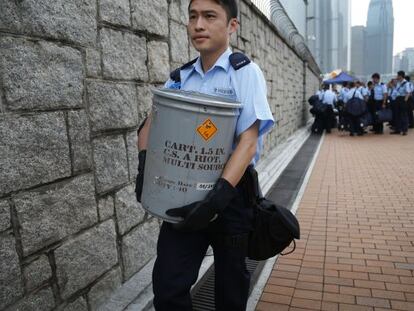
{"points": [[238, 60], [175, 74]]}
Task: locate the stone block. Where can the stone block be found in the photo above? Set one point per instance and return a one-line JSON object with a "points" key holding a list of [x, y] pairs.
{"points": [[106, 207], [128, 213], [40, 75], [139, 246], [103, 289], [158, 61], [111, 163], [132, 155], [115, 11], [179, 44], [35, 150], [80, 140], [112, 105], [48, 215], [179, 11], [11, 284], [78, 305], [144, 101], [73, 21], [82, 260], [41, 300], [150, 15], [37, 272], [93, 63], [124, 55], [4, 215]]}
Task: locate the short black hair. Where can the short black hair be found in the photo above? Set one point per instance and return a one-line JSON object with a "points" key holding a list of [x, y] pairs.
{"points": [[375, 76], [408, 78], [401, 73], [230, 6], [369, 83]]}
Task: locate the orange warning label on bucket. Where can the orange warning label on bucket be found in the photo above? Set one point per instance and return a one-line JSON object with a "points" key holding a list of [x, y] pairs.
{"points": [[207, 130]]}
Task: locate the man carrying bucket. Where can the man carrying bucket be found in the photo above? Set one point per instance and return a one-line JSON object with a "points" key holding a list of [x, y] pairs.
{"points": [[224, 218]]}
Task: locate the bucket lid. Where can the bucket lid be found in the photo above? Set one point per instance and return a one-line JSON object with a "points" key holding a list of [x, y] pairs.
{"points": [[197, 98]]}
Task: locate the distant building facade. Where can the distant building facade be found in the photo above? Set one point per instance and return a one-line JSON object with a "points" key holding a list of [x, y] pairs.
{"points": [[358, 50], [329, 33], [404, 61], [379, 37]]}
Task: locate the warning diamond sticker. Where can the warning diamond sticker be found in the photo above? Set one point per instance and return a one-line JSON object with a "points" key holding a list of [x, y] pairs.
{"points": [[207, 130]]}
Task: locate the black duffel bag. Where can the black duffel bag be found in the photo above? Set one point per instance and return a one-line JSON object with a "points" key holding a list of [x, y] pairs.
{"points": [[355, 106], [274, 227]]}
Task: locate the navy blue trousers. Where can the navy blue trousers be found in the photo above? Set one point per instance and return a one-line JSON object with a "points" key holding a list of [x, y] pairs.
{"points": [[180, 254], [402, 115]]}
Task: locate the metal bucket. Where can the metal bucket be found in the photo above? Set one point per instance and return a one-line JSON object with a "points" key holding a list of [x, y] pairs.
{"points": [[190, 141]]}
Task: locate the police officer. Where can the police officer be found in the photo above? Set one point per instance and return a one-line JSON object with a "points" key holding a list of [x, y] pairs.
{"points": [[401, 104], [224, 218], [410, 103], [392, 91], [355, 124], [329, 99], [380, 96]]}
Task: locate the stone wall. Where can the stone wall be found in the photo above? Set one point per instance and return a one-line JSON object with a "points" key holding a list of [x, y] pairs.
{"points": [[75, 79]]}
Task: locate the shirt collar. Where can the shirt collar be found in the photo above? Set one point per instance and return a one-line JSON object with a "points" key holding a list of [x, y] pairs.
{"points": [[222, 62]]}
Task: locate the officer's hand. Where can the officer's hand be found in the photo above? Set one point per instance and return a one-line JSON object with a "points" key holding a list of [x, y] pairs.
{"points": [[198, 215], [140, 176]]}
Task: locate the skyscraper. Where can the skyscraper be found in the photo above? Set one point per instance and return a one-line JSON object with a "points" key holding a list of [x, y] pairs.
{"points": [[358, 50], [379, 37], [329, 33]]}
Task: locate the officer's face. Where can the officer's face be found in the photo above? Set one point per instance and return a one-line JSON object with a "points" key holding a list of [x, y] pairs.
{"points": [[209, 27]]}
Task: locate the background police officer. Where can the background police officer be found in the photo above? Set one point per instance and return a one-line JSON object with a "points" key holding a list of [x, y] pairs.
{"points": [[401, 104], [181, 247], [410, 103], [329, 99], [380, 101], [355, 124]]}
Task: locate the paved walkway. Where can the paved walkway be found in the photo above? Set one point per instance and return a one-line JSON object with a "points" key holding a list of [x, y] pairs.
{"points": [[357, 227]]}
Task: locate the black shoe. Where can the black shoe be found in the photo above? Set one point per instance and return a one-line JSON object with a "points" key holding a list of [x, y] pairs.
{"points": [[351, 134], [395, 133], [360, 134], [404, 133]]}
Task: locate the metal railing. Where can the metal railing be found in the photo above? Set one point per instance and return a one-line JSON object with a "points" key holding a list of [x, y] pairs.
{"points": [[275, 12]]}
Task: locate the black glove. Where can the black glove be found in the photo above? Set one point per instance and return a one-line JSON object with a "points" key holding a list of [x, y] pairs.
{"points": [[140, 176], [198, 215]]}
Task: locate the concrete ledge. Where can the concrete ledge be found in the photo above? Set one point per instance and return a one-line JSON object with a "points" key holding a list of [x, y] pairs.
{"points": [[136, 294]]}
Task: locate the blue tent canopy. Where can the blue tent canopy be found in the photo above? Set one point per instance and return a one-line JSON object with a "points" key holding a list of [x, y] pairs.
{"points": [[341, 78]]}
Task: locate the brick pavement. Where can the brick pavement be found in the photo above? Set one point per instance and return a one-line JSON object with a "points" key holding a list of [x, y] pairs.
{"points": [[357, 229]]}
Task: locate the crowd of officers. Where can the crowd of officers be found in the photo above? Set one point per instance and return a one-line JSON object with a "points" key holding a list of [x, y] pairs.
{"points": [[396, 95]]}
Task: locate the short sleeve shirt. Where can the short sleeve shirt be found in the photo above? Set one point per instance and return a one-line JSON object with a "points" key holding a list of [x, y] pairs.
{"points": [[246, 85], [351, 93], [379, 91], [403, 88]]}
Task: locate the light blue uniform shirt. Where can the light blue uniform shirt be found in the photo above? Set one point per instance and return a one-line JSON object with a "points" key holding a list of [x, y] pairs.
{"points": [[342, 93], [379, 91], [246, 85], [351, 93], [393, 93], [403, 88]]}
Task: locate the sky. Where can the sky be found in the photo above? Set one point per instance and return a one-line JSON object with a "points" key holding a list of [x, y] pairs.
{"points": [[403, 21]]}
